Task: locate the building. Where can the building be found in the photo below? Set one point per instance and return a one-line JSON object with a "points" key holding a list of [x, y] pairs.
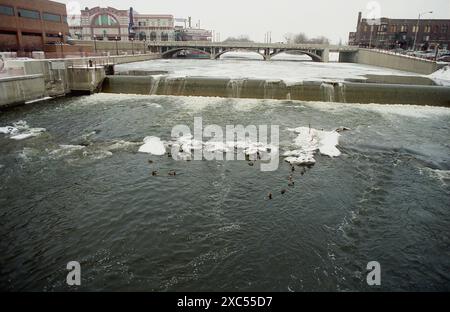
{"points": [[393, 33], [27, 26], [185, 32], [192, 34], [112, 24]]}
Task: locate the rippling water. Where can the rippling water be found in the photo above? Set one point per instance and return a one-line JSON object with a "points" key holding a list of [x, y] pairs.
{"points": [[211, 227]]}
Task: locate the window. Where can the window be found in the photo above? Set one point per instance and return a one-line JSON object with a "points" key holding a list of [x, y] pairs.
{"points": [[427, 29], [28, 14], [105, 20], [65, 19], [444, 29], [404, 28], [51, 17], [415, 29], [6, 10], [393, 28]]}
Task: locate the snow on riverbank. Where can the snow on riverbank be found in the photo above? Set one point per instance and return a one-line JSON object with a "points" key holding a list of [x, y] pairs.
{"points": [[442, 76]]}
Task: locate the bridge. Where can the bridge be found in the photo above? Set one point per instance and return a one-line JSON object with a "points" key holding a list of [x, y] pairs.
{"points": [[318, 52]]}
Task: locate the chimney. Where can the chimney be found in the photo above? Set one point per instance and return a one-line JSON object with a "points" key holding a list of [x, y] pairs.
{"points": [[359, 19], [190, 21]]}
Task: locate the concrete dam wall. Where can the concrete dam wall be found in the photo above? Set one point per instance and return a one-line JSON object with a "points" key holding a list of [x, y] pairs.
{"points": [[347, 92]]}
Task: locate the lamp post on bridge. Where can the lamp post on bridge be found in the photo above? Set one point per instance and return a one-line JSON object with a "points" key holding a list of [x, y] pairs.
{"points": [[417, 27], [132, 46], [60, 35], [95, 44], [117, 49]]}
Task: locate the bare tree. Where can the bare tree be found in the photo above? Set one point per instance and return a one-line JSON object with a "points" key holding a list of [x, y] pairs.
{"points": [[241, 38], [303, 38]]}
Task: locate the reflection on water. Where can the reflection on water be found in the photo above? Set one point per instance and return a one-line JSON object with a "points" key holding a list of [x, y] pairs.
{"points": [[80, 191]]}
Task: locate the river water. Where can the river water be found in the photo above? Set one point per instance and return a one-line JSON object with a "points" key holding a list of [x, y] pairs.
{"points": [[81, 191]]}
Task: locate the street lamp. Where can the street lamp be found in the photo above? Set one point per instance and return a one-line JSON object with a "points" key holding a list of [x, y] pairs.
{"points": [[132, 46], [417, 28], [145, 43], [117, 49], [95, 43]]}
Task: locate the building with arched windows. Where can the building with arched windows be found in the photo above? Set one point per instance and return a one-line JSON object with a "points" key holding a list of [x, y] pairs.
{"points": [[112, 24]]}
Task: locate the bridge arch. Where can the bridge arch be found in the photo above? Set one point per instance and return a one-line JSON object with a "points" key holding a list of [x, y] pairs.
{"points": [[315, 57], [170, 53], [218, 55]]}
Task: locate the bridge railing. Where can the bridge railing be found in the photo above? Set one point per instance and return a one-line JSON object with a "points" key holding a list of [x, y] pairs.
{"points": [[250, 45]]}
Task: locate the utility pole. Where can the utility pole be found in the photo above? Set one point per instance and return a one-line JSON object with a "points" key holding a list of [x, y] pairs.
{"points": [[417, 27]]}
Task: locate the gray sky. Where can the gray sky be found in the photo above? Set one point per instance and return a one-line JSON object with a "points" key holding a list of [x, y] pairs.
{"points": [[330, 18]]}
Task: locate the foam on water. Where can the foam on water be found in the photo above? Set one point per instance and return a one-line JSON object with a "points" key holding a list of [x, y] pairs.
{"points": [[414, 111]]}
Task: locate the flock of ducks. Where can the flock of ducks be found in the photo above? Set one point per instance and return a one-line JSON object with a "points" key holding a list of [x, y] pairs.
{"points": [[291, 181]]}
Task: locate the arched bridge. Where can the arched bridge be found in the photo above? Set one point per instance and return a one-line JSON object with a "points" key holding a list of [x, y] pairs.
{"points": [[318, 52]]}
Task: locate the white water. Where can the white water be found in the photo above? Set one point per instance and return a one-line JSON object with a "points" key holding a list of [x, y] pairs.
{"points": [[20, 131]]}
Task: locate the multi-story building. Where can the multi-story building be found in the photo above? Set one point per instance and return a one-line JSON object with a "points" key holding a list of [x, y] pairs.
{"points": [[388, 33], [192, 34], [154, 27], [112, 24], [27, 26]]}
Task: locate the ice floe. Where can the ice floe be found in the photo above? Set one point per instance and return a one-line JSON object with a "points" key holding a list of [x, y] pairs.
{"points": [[20, 131], [183, 147], [153, 145], [310, 140]]}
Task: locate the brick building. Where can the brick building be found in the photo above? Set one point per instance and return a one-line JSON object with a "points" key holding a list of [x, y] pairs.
{"points": [[393, 33], [110, 23], [29, 25]]}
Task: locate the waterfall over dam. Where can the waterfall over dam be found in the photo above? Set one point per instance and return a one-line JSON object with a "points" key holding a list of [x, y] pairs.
{"points": [[343, 92]]}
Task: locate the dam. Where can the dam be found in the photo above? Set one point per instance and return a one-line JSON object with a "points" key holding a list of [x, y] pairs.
{"points": [[78, 184]]}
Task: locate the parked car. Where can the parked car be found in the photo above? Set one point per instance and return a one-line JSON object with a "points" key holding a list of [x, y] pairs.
{"points": [[444, 58]]}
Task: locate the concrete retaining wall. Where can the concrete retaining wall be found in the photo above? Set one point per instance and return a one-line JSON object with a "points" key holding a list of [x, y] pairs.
{"points": [[399, 62], [110, 46], [88, 79], [18, 90]]}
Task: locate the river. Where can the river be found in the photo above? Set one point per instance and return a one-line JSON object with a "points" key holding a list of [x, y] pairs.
{"points": [[79, 190]]}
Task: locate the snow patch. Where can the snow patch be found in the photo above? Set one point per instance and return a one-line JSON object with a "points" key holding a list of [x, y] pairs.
{"points": [[308, 141], [153, 145], [442, 76]]}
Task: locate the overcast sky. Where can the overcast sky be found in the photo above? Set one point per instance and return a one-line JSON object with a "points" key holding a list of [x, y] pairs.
{"points": [[330, 18]]}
